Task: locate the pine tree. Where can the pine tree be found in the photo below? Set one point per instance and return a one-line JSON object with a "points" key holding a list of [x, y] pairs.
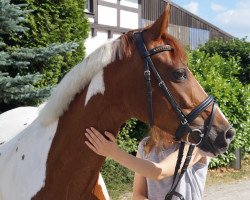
{"points": [[18, 85]]}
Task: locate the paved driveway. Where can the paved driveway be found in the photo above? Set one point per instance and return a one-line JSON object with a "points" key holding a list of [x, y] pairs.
{"points": [[231, 191]]}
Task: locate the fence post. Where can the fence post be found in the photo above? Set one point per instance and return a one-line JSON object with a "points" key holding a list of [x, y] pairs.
{"points": [[236, 164]]}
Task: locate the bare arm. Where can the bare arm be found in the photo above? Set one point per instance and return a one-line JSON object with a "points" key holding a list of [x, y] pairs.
{"points": [[145, 168], [140, 186]]}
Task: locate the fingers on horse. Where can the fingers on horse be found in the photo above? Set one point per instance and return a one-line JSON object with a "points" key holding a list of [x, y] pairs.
{"points": [[98, 135], [91, 146], [110, 136], [93, 135], [92, 138]]}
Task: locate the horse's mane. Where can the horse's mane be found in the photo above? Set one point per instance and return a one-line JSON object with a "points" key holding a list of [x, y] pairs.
{"points": [[77, 79]]}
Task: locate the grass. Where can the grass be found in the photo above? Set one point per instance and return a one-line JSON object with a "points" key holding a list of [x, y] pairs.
{"points": [[124, 191]]}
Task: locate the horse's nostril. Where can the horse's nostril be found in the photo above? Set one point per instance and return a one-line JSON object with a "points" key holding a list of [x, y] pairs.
{"points": [[230, 134]]}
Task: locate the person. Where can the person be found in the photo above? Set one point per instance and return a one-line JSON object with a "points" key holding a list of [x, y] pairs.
{"points": [[154, 164]]}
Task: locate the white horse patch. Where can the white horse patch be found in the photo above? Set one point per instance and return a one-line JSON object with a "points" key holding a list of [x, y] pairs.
{"points": [[24, 148], [96, 86]]}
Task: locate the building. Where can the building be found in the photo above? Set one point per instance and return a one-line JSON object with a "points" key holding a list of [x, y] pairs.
{"points": [[111, 18]]}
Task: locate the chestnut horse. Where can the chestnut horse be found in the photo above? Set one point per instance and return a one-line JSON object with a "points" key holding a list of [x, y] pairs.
{"points": [[48, 159]]}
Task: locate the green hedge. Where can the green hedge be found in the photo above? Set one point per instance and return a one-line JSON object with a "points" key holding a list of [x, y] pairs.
{"points": [[218, 77], [237, 48]]}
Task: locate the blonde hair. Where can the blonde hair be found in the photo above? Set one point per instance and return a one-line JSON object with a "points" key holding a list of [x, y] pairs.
{"points": [[158, 139]]}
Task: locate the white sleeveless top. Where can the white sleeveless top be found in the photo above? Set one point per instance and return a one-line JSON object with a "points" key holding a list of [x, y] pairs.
{"points": [[191, 185]]}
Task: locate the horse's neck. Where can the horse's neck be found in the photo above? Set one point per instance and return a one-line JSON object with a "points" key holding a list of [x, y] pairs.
{"points": [[71, 165]]}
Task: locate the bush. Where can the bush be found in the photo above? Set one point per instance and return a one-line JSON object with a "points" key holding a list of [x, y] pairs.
{"points": [[217, 76], [237, 48], [131, 134]]}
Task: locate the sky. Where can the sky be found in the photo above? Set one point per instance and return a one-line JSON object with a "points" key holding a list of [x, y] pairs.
{"points": [[232, 16]]}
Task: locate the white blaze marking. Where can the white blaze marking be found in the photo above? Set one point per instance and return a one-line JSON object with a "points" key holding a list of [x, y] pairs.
{"points": [[221, 113], [96, 86], [22, 178]]}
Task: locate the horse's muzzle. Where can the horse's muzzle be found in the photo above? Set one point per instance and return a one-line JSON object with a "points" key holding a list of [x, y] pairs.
{"points": [[217, 142]]}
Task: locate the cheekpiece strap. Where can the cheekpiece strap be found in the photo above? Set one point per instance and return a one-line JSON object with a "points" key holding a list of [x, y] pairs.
{"points": [[148, 65]]}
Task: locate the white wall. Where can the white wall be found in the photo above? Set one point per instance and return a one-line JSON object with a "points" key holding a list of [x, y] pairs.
{"points": [[107, 15], [92, 43], [116, 35], [91, 20], [128, 19], [111, 1], [129, 3]]}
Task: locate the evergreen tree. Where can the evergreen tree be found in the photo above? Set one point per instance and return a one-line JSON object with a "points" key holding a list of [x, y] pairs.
{"points": [[54, 21], [18, 85]]}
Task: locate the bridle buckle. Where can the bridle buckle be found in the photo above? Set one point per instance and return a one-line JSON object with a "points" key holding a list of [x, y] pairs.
{"points": [[200, 134], [184, 122], [147, 73], [161, 83]]}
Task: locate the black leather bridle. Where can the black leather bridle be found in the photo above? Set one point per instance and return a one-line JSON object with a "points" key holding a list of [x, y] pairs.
{"points": [[185, 120]]}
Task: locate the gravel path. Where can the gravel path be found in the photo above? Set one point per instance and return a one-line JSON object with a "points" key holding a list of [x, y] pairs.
{"points": [[230, 191]]}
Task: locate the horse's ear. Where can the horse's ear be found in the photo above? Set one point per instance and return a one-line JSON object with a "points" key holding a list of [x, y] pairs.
{"points": [[160, 26]]}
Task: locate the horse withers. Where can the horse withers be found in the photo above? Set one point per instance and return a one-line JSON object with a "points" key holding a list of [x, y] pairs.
{"points": [[48, 159]]}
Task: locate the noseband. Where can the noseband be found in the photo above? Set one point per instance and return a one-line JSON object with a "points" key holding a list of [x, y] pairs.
{"points": [[185, 120]]}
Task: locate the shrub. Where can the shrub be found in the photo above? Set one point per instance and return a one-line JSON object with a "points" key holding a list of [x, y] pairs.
{"points": [[217, 76], [131, 134], [237, 48]]}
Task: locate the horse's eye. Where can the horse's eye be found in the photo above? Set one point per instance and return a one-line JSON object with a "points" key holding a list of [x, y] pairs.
{"points": [[180, 75]]}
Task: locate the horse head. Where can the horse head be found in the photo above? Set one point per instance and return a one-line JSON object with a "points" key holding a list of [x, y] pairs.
{"points": [[170, 61]]}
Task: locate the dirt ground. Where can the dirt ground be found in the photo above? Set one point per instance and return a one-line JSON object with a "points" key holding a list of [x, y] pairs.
{"points": [[223, 184], [239, 190]]}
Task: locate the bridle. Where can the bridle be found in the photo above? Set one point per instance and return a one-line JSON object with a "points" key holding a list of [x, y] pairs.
{"points": [[185, 120]]}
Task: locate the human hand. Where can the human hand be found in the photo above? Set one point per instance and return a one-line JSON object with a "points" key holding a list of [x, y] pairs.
{"points": [[99, 144]]}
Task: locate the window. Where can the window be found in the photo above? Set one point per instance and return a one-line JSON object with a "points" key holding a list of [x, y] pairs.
{"points": [[89, 6]]}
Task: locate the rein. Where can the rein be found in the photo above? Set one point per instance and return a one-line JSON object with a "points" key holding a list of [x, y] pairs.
{"points": [[185, 120]]}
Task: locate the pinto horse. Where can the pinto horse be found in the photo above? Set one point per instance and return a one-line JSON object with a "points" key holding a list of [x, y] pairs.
{"points": [[43, 155]]}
